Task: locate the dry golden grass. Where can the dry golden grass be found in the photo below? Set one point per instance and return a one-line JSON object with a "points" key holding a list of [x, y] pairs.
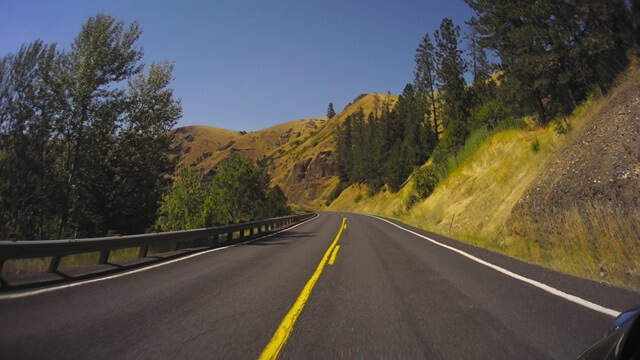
{"points": [[474, 202]]}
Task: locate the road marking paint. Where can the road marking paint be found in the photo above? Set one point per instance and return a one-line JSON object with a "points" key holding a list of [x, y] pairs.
{"points": [[144, 268], [281, 335], [334, 254], [551, 290]]}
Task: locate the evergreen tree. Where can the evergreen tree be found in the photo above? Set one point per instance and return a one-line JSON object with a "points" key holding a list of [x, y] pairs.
{"points": [[553, 52], [480, 67], [330, 112], [342, 155], [424, 76], [450, 73]]}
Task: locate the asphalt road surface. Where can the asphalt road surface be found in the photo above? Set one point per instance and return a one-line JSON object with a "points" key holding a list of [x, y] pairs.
{"points": [[388, 293]]}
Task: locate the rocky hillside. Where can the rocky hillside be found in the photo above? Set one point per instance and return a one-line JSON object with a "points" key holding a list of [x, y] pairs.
{"points": [[571, 203], [595, 177], [299, 151]]}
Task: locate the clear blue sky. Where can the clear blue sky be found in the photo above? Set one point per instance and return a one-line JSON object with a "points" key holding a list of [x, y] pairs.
{"points": [[247, 65]]}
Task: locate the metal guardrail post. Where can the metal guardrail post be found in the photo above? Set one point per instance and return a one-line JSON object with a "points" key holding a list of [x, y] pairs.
{"points": [[144, 250], [53, 264], [104, 257]]}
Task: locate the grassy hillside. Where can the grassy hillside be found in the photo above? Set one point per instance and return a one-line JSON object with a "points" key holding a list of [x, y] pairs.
{"points": [[190, 142], [299, 151], [496, 171]]}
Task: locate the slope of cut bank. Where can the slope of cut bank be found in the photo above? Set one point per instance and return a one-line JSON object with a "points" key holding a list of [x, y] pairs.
{"points": [[543, 207]]}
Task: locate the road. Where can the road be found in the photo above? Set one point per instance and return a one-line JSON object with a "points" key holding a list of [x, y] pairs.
{"points": [[388, 294]]}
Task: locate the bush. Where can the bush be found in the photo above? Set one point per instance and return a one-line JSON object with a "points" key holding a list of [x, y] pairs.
{"points": [[424, 181], [562, 126], [358, 198], [535, 145], [340, 186], [411, 200], [490, 114]]}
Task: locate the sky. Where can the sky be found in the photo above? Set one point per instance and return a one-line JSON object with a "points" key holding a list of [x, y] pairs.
{"points": [[248, 65]]}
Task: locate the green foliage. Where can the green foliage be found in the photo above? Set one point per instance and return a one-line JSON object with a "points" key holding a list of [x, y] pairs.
{"points": [[562, 126], [182, 206], [276, 204], [535, 145], [424, 76], [447, 161], [239, 192], [358, 198], [450, 73], [490, 114], [385, 148], [411, 200], [554, 53], [337, 190], [424, 181], [330, 111], [83, 135]]}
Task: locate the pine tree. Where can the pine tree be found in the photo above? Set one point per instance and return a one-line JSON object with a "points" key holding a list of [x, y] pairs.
{"points": [[554, 52], [425, 78], [342, 155], [480, 66], [330, 112], [450, 71]]}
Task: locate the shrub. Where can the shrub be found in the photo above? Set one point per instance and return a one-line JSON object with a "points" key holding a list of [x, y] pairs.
{"points": [[358, 198], [490, 114], [424, 181], [562, 126], [340, 186], [535, 145], [411, 200]]}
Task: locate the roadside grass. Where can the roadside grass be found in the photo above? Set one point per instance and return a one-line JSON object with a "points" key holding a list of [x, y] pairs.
{"points": [[597, 242], [474, 199]]}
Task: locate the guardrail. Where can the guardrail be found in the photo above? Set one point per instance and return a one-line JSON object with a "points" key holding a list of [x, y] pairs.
{"points": [[56, 249]]}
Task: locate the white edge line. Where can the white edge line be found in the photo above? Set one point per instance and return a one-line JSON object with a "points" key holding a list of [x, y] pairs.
{"points": [[542, 286], [144, 268]]}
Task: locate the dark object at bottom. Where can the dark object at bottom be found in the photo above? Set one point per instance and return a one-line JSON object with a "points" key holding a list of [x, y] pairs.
{"points": [[620, 342]]}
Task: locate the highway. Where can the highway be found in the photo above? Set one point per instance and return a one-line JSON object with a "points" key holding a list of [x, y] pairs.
{"points": [[388, 293]]}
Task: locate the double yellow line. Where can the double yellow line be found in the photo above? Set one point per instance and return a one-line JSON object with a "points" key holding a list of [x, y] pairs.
{"points": [[281, 335]]}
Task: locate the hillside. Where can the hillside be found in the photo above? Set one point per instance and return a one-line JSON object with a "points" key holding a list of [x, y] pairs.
{"points": [[299, 151], [572, 205]]}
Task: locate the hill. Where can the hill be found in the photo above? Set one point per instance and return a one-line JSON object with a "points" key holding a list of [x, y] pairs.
{"points": [[572, 205], [299, 152]]}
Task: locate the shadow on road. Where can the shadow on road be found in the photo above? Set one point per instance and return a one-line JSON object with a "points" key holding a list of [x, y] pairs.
{"points": [[281, 239]]}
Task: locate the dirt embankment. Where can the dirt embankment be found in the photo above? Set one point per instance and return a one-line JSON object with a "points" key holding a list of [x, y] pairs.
{"points": [[590, 191]]}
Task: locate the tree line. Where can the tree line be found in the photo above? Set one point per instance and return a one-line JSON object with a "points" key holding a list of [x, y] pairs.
{"points": [[239, 192], [82, 135], [550, 54], [84, 146]]}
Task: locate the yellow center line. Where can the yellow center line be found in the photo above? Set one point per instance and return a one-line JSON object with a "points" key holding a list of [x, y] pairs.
{"points": [[334, 254], [281, 335]]}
